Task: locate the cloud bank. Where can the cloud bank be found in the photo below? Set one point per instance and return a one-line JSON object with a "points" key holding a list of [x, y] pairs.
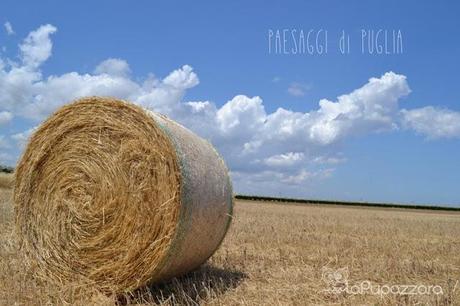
{"points": [[285, 147]]}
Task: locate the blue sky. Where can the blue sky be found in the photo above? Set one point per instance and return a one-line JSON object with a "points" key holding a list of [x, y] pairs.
{"points": [[412, 159]]}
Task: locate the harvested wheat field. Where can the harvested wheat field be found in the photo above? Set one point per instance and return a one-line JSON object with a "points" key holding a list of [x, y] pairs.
{"points": [[283, 254], [6, 180]]}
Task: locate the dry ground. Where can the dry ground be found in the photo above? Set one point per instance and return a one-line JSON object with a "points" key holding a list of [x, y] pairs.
{"points": [[278, 254], [6, 180]]}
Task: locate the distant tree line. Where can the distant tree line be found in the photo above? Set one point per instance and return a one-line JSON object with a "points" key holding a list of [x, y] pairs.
{"points": [[6, 169], [326, 202]]}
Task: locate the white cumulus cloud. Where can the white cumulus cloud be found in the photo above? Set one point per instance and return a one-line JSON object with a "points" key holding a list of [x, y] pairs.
{"points": [[432, 122], [36, 48], [4, 143], [22, 137], [8, 28], [114, 67], [287, 159], [261, 149], [298, 89], [5, 117]]}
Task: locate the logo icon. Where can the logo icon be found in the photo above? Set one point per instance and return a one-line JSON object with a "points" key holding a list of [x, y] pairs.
{"points": [[336, 279]]}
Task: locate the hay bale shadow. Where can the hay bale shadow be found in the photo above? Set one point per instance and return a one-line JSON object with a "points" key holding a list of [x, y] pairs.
{"points": [[194, 288]]}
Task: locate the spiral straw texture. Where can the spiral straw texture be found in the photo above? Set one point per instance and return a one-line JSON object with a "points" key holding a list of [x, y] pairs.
{"points": [[112, 195]]}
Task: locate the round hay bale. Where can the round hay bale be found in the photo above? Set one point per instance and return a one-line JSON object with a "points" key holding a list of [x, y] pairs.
{"points": [[109, 194]]}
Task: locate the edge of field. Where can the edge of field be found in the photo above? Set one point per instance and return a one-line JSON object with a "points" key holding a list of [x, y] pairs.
{"points": [[281, 200], [7, 181]]}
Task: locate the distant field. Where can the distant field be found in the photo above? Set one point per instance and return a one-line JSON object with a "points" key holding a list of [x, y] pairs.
{"points": [[6, 180], [289, 255]]}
